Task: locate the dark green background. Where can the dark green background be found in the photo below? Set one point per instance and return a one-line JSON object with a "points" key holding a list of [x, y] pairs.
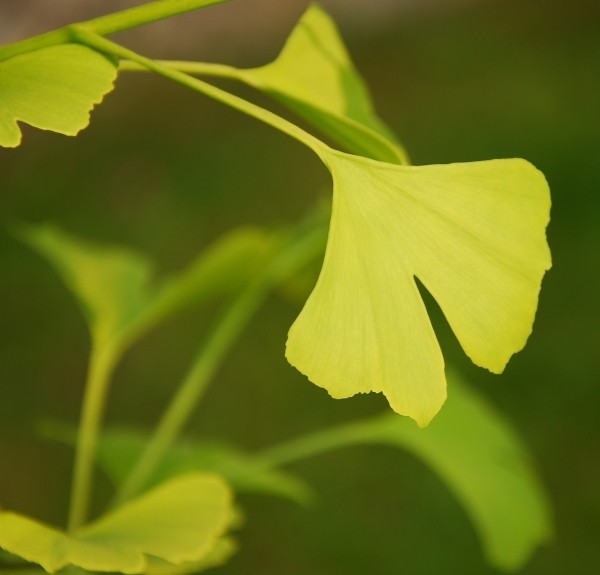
{"points": [[164, 170]]}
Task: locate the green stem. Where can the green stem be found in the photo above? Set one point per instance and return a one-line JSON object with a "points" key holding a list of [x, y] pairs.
{"points": [[85, 36], [208, 360], [386, 148], [109, 24], [187, 67], [190, 393], [100, 370], [316, 444]]}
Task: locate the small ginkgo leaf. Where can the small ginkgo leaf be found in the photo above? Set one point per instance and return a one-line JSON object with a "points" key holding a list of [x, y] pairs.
{"points": [[484, 463], [53, 89], [476, 453], [179, 521], [111, 284], [114, 288], [473, 234], [315, 77]]}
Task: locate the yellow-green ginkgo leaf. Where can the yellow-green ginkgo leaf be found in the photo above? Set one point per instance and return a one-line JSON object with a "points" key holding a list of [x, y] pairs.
{"points": [[472, 233], [314, 76], [53, 549], [179, 521], [52, 89]]}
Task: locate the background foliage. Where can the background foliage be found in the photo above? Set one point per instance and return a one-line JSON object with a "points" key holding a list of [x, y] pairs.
{"points": [[465, 82]]}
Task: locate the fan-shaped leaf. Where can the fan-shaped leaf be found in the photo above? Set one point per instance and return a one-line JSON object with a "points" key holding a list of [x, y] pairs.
{"points": [[113, 285], [315, 77], [474, 450], [478, 455], [179, 521], [52, 89], [474, 235]]}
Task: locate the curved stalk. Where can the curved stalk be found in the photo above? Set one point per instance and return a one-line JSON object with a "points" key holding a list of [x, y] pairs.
{"points": [[109, 24], [93, 40], [187, 67], [315, 444], [297, 253], [100, 370]]}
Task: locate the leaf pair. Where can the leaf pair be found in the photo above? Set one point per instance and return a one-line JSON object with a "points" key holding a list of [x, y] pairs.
{"points": [[472, 233], [181, 521]]}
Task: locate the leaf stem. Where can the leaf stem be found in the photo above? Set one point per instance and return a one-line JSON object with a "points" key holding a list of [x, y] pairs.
{"points": [[187, 67], [317, 443], [385, 149], [298, 252], [99, 372], [108, 24], [93, 40]]}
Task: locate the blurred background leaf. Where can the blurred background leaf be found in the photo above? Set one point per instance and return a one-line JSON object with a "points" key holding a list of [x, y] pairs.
{"points": [[119, 449], [474, 450], [114, 288]]}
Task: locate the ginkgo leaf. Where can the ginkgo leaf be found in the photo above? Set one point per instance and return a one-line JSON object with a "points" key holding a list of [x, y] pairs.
{"points": [[475, 451], [111, 284], [114, 288], [472, 233], [180, 520], [484, 463], [52, 88], [118, 449], [53, 549], [314, 76]]}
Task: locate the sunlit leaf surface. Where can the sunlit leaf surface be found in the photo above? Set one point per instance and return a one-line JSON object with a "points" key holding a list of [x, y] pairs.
{"points": [[52, 89], [179, 521], [473, 234], [315, 77]]}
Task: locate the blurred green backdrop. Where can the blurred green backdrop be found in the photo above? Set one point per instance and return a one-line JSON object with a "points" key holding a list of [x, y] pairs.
{"points": [[165, 170]]}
